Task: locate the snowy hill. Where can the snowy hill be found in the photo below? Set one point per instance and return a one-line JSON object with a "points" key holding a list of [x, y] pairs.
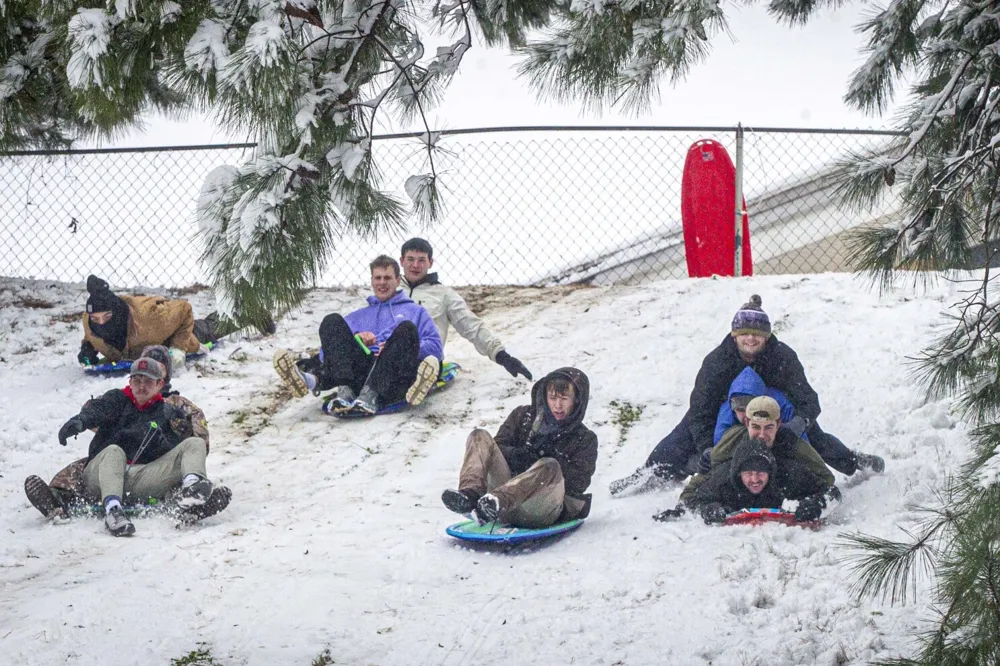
{"points": [[335, 538]]}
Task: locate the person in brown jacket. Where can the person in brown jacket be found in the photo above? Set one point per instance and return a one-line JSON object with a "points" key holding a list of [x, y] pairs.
{"points": [[536, 470], [119, 327]]}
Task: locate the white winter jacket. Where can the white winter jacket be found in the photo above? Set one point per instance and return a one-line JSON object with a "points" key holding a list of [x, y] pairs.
{"points": [[446, 307]]}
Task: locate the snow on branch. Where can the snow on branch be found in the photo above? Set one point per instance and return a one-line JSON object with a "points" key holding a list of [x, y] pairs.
{"points": [[90, 35]]}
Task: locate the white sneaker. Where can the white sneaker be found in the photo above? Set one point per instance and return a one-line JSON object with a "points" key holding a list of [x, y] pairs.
{"points": [[295, 379], [427, 375]]}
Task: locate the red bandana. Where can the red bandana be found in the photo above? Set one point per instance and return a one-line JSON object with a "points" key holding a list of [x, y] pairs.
{"points": [[152, 401]]}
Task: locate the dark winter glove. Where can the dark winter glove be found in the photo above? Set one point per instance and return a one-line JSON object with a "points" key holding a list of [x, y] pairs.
{"points": [[810, 508], [713, 513], [670, 514], [511, 364], [798, 425], [520, 458], [71, 428], [832, 493], [705, 461], [88, 354]]}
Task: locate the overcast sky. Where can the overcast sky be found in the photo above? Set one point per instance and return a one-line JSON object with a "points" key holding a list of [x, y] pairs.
{"points": [[765, 75]]}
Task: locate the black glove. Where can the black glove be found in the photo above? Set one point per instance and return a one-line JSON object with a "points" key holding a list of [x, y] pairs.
{"points": [[810, 508], [832, 493], [88, 354], [71, 428], [713, 513], [705, 461], [511, 364], [520, 458], [670, 514], [798, 425]]}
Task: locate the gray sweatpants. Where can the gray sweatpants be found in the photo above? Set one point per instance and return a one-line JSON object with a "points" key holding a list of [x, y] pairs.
{"points": [[105, 474], [532, 499]]}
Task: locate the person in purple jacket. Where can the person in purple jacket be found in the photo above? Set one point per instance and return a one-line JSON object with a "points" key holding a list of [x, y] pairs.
{"points": [[374, 356]]}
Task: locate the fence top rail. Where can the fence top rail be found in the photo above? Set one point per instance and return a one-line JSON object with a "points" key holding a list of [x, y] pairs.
{"points": [[476, 130]]}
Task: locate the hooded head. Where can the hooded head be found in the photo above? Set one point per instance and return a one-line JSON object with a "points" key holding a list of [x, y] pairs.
{"points": [[752, 455], [539, 398], [115, 330]]}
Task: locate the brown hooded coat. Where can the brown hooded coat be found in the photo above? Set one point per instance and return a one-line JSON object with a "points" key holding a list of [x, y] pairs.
{"points": [[153, 320]]}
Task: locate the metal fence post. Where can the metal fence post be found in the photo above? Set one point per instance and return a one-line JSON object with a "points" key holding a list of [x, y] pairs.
{"points": [[738, 227]]}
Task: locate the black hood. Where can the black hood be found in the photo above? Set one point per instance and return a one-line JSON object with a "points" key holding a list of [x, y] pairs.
{"points": [[115, 332], [580, 384], [752, 454]]}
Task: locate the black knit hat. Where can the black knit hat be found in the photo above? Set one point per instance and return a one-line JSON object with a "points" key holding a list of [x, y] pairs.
{"points": [[753, 456], [101, 299], [751, 319]]}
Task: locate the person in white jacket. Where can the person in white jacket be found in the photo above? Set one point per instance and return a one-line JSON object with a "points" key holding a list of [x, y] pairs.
{"points": [[447, 307]]}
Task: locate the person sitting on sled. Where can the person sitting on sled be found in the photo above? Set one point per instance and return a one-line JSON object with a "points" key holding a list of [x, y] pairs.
{"points": [[447, 307], [753, 479], [56, 499], [761, 419], [536, 470], [373, 357], [138, 454], [118, 328]]}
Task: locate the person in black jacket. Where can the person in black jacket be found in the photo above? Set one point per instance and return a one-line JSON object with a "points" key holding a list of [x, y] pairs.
{"points": [[749, 344], [137, 452], [536, 470], [754, 479]]}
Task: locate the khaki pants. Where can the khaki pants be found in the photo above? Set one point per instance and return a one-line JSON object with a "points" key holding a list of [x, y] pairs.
{"points": [[105, 474], [532, 499]]}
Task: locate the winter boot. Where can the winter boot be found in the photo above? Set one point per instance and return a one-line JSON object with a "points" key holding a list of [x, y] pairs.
{"points": [[869, 461], [216, 502], [460, 501], [366, 402], [43, 498], [487, 509], [195, 494], [118, 523], [427, 375], [343, 399], [295, 379], [643, 480]]}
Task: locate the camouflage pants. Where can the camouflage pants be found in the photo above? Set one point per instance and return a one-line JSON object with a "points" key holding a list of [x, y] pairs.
{"points": [[532, 499]]}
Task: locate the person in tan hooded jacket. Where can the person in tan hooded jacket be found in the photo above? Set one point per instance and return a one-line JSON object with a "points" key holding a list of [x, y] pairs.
{"points": [[120, 327]]}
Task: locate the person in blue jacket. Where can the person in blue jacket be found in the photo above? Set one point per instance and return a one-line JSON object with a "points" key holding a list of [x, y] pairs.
{"points": [[375, 356], [745, 387]]}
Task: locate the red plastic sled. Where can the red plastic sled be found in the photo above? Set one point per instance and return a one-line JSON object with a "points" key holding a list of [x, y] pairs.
{"points": [[708, 194], [761, 516]]}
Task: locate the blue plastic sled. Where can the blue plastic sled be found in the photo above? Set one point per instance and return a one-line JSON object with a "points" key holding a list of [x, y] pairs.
{"points": [[448, 373], [471, 530], [113, 368]]}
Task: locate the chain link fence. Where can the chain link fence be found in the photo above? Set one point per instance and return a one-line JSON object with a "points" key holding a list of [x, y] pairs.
{"points": [[527, 206]]}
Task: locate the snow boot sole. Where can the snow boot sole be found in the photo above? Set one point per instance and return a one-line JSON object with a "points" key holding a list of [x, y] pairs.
{"points": [[42, 497], [284, 365]]}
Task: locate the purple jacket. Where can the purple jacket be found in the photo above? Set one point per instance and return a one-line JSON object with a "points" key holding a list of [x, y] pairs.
{"points": [[383, 318]]}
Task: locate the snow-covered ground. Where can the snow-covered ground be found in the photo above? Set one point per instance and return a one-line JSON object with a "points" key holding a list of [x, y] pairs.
{"points": [[335, 537]]}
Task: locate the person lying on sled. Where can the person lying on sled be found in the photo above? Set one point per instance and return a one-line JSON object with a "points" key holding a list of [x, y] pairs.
{"points": [[137, 454], [118, 328], [536, 470], [56, 499], [753, 479], [399, 355]]}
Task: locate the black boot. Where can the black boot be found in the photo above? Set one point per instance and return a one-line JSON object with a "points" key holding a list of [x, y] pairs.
{"points": [[43, 498], [216, 502], [460, 501]]}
